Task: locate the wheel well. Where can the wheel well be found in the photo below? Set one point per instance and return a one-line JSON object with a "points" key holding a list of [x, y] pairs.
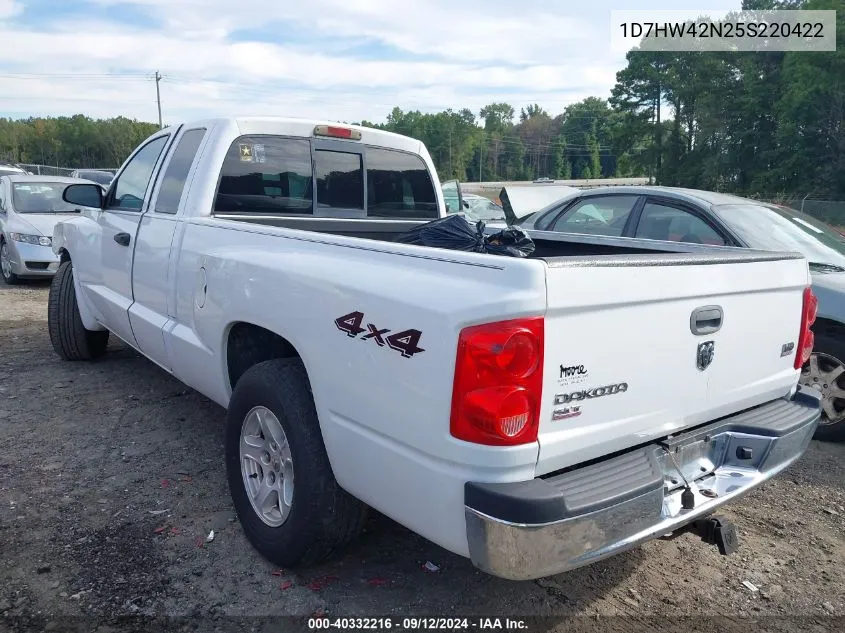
{"points": [[828, 327], [64, 256], [249, 345]]}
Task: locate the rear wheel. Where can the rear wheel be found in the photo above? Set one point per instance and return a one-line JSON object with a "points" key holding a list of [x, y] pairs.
{"points": [[68, 335], [290, 506], [825, 372], [6, 265]]}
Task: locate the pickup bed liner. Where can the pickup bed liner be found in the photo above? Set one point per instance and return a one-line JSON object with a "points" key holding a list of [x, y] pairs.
{"points": [[557, 249]]}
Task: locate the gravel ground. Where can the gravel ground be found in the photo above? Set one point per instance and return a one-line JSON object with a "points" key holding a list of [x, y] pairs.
{"points": [[111, 478]]}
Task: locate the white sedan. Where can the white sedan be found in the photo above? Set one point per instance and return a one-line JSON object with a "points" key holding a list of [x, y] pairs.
{"points": [[30, 207]]}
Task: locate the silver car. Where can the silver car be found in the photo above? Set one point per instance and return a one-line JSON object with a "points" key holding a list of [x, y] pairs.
{"points": [[99, 176], [30, 207], [717, 219]]}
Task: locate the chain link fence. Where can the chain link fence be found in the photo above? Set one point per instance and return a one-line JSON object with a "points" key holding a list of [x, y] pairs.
{"points": [[829, 211], [52, 170]]}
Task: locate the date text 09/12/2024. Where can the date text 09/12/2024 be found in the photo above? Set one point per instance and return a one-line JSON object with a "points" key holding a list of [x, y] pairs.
{"points": [[419, 623]]}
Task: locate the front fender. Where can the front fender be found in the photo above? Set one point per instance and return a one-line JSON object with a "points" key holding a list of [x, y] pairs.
{"points": [[61, 248]]}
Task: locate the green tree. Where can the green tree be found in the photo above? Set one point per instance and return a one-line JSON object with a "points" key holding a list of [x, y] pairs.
{"points": [[561, 167], [595, 159], [639, 95], [497, 116]]}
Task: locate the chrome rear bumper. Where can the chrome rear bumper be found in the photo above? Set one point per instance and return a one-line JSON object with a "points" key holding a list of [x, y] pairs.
{"points": [[550, 525]]}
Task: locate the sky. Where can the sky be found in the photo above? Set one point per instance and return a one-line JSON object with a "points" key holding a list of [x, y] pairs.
{"points": [[344, 60]]}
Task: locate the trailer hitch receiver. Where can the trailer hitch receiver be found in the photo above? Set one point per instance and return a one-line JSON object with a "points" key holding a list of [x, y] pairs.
{"points": [[718, 531]]}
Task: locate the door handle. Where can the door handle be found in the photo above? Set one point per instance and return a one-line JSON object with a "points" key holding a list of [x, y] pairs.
{"points": [[706, 320], [122, 239]]}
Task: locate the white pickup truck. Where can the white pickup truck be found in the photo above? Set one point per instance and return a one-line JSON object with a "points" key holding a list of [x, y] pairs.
{"points": [[533, 414]]}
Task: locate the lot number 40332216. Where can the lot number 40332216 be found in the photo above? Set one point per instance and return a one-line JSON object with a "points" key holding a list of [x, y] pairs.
{"points": [[405, 342]]}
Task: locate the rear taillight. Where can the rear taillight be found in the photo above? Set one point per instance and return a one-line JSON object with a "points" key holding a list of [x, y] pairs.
{"points": [[498, 383], [805, 337], [337, 132]]}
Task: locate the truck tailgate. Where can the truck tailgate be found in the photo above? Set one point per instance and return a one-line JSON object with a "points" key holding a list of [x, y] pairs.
{"points": [[623, 365]]}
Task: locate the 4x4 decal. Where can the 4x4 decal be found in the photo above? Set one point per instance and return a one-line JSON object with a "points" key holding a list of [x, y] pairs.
{"points": [[405, 342]]}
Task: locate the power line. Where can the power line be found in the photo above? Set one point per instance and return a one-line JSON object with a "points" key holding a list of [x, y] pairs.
{"points": [[132, 76]]}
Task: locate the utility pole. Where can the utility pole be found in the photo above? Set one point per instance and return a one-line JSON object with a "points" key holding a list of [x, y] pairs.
{"points": [[480, 159], [450, 151], [158, 99]]}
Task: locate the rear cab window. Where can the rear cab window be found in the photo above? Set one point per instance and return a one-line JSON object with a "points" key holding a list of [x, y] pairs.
{"points": [[288, 176], [340, 180], [399, 186], [266, 174]]}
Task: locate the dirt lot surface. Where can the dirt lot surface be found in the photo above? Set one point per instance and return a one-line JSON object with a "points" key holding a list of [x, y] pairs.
{"points": [[112, 477]]}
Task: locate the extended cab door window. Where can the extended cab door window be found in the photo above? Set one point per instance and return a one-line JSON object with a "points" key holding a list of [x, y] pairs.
{"points": [[398, 186], [596, 215], [660, 221], [176, 173], [266, 174], [129, 190]]}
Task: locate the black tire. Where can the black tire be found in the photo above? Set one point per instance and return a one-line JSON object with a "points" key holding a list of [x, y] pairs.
{"points": [[323, 517], [834, 346], [68, 335], [11, 279]]}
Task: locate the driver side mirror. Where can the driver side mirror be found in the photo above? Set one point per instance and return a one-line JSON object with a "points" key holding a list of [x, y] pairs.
{"points": [[84, 195]]}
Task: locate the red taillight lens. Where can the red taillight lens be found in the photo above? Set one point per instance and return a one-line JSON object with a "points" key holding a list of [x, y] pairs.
{"points": [[498, 383], [806, 339], [337, 132]]}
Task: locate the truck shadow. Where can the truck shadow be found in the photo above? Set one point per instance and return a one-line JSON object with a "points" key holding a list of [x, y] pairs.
{"points": [[383, 570], [131, 441]]}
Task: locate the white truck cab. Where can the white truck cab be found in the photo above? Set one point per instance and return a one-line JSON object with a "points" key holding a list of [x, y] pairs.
{"points": [[534, 414]]}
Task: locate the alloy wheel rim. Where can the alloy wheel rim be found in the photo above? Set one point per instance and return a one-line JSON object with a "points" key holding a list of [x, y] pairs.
{"points": [[266, 466], [826, 374], [5, 262]]}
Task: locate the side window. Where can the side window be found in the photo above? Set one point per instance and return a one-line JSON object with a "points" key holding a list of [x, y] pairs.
{"points": [[662, 222], [340, 180], [398, 186], [597, 215], [173, 183], [266, 174], [452, 196], [131, 187], [2, 195]]}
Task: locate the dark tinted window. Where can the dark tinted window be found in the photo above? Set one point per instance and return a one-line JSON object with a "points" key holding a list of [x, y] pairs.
{"points": [[597, 215], [101, 177], [340, 180], [132, 185], [398, 186], [662, 222], [266, 174], [180, 163]]}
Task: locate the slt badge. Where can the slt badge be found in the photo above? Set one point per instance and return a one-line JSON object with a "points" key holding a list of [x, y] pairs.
{"points": [[706, 352]]}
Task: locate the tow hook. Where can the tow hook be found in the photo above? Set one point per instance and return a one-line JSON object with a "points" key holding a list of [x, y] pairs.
{"points": [[718, 531]]}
